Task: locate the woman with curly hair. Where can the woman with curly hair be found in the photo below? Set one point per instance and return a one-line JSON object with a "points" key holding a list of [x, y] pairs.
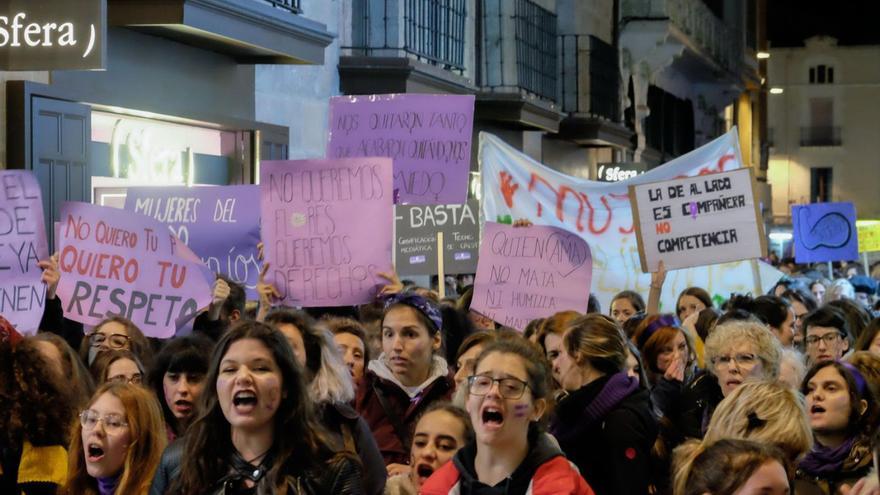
{"points": [[38, 409]]}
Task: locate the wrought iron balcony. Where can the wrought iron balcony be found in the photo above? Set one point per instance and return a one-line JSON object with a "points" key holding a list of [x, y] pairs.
{"points": [[292, 6], [693, 18], [589, 77], [524, 32], [820, 136], [432, 31]]}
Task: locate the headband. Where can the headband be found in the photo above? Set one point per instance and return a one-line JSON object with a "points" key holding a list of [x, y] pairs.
{"points": [[861, 384], [663, 321], [415, 301]]}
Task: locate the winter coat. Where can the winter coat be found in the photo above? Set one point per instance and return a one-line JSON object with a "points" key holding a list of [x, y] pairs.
{"points": [[379, 385], [856, 465], [544, 471], [341, 475], [698, 401], [608, 435], [348, 431]]}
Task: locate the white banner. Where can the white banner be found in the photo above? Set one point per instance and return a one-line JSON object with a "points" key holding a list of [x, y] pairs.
{"points": [[515, 186]]}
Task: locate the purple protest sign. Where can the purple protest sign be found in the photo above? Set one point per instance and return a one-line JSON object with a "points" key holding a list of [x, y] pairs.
{"points": [[327, 228], [427, 136], [22, 246], [220, 224], [115, 262], [524, 273]]}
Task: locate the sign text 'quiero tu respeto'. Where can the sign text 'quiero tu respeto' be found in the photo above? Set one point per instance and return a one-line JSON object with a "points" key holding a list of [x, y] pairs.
{"points": [[52, 34]]}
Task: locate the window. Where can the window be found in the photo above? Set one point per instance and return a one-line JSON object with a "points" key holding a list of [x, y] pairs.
{"points": [[821, 74], [820, 185]]}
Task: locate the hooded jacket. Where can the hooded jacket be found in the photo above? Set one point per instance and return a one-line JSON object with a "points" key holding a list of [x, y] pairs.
{"points": [[405, 403], [544, 471], [607, 430]]}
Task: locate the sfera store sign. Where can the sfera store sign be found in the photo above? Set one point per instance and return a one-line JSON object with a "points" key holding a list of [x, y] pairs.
{"points": [[616, 172], [52, 34]]}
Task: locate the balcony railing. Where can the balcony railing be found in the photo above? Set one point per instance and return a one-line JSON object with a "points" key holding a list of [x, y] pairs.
{"points": [[432, 31], [523, 32], [820, 136], [589, 77], [292, 6], [721, 42]]}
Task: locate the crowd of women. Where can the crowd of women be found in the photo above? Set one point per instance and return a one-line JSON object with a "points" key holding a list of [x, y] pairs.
{"points": [[748, 394]]}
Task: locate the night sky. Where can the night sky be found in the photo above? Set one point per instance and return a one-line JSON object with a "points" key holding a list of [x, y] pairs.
{"points": [[852, 22]]}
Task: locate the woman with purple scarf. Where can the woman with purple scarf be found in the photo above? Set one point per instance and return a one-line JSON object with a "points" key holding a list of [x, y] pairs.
{"points": [[604, 424], [843, 411]]}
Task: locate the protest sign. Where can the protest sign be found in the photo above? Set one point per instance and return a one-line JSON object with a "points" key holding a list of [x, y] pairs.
{"points": [[416, 238], [116, 262], [526, 273], [869, 235], [327, 228], [515, 186], [427, 136], [22, 246], [825, 232], [220, 224], [697, 221]]}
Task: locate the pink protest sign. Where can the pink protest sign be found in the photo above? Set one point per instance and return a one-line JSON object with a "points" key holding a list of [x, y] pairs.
{"points": [[22, 246], [427, 136], [526, 273], [115, 262], [327, 228]]}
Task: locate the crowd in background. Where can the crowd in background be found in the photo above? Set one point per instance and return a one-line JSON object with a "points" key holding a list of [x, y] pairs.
{"points": [[742, 394]]}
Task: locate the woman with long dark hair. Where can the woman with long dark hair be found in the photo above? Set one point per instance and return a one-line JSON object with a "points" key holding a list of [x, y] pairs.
{"points": [[256, 431]]}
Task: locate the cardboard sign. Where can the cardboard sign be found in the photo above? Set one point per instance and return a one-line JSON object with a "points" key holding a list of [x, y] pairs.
{"points": [[327, 228], [115, 262], [697, 221], [825, 232], [220, 224], [22, 246], [416, 229], [869, 235], [526, 273], [427, 136], [53, 34], [516, 186]]}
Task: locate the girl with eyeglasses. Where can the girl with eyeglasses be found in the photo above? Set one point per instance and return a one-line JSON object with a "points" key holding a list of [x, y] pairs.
{"points": [[511, 455], [117, 366], [117, 443], [116, 333], [843, 411]]}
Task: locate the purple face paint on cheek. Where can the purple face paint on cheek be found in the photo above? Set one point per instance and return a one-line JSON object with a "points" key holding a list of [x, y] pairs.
{"points": [[520, 410]]}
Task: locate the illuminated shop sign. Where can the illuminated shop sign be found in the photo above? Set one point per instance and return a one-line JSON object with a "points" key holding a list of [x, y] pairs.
{"points": [[615, 172], [52, 34]]}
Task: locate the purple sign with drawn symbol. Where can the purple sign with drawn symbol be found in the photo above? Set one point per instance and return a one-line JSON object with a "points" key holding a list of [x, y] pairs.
{"points": [[524, 273], [116, 262], [22, 246], [327, 229], [427, 136], [825, 232], [221, 225]]}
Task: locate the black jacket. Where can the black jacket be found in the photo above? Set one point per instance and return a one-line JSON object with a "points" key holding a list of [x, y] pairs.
{"points": [[349, 432], [341, 476], [613, 453], [698, 401]]}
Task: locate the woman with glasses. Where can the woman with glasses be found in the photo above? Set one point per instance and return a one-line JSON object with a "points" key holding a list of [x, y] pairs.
{"points": [[117, 443], [511, 455], [843, 412], [604, 424], [117, 366], [736, 351], [406, 378], [115, 333], [256, 432]]}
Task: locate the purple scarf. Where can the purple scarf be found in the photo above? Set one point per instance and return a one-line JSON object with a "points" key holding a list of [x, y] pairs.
{"points": [[107, 486], [618, 387], [825, 460]]}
